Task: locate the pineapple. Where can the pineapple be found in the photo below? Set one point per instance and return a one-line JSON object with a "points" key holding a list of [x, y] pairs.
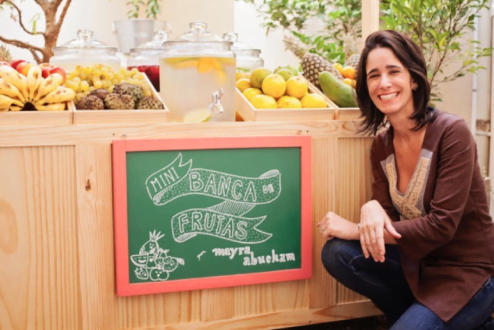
{"points": [[312, 64], [5, 54]]}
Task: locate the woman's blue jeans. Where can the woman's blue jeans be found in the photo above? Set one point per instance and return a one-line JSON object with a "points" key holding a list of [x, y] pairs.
{"points": [[385, 285]]}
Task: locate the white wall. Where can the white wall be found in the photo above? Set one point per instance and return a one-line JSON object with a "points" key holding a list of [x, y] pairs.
{"points": [[98, 15]]}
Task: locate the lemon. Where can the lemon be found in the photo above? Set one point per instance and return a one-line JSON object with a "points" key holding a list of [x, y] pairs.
{"points": [[313, 101], [289, 102], [348, 81], [239, 74], [338, 67], [243, 84], [258, 75], [198, 115], [249, 93], [274, 85], [263, 102], [297, 87]]}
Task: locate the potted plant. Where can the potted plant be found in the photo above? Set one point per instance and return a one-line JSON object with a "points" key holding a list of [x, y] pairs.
{"points": [[134, 31]]}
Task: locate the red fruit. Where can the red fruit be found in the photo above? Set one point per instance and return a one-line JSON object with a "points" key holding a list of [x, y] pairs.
{"points": [[51, 69], [15, 63], [23, 68], [4, 63], [153, 73]]}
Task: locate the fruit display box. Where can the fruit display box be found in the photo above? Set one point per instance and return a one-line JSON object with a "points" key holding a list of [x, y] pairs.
{"points": [[121, 116], [247, 112], [43, 118]]}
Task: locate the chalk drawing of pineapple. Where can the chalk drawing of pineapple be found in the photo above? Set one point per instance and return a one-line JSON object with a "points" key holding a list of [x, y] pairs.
{"points": [[153, 262]]}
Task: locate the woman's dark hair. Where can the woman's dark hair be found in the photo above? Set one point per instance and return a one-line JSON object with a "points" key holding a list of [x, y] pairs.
{"points": [[410, 55]]}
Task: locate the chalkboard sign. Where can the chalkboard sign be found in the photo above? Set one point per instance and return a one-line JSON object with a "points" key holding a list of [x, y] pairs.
{"points": [[211, 212]]}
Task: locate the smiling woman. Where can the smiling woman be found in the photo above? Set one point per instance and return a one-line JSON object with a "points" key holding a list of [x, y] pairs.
{"points": [[422, 251]]}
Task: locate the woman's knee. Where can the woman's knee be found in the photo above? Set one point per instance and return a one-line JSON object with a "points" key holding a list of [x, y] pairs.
{"points": [[336, 254]]}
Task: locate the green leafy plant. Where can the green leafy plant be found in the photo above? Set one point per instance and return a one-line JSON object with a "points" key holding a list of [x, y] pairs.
{"points": [[340, 18], [439, 27], [152, 8]]}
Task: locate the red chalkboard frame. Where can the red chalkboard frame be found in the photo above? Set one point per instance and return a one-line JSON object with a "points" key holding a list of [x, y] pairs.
{"points": [[119, 150]]}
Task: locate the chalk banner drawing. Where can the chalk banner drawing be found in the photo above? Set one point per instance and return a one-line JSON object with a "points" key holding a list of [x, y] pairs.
{"points": [[225, 220]]}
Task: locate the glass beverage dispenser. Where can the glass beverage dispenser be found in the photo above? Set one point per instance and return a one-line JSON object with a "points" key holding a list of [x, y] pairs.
{"points": [[197, 77]]}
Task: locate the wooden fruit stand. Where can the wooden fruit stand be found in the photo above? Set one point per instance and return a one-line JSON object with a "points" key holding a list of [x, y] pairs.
{"points": [[56, 232]]}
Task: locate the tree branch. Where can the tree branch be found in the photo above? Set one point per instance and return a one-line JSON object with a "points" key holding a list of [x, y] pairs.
{"points": [[35, 55], [62, 15], [20, 18], [20, 44]]}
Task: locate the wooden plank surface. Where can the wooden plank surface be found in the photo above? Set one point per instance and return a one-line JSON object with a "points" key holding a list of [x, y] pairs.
{"points": [[76, 134], [39, 279], [354, 189], [323, 286], [57, 236]]}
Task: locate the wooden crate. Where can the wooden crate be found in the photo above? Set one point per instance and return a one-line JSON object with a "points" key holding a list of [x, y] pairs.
{"points": [[342, 113], [123, 116], [21, 118], [245, 110]]}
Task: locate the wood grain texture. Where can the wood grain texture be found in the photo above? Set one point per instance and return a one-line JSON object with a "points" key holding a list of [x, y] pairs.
{"points": [[95, 235], [324, 161], [285, 319], [38, 239], [57, 118], [76, 134], [56, 234], [354, 189]]}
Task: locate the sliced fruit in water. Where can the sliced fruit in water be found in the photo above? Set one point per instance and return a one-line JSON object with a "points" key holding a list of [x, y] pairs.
{"points": [[198, 115], [204, 65]]}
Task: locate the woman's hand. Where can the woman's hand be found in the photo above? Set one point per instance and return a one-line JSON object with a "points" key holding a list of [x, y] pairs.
{"points": [[332, 225], [373, 221]]}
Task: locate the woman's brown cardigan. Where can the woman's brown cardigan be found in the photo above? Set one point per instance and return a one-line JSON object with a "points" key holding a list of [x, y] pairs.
{"points": [[447, 244]]}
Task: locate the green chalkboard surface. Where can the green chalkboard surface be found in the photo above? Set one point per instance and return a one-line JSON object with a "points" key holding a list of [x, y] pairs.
{"points": [[209, 213]]}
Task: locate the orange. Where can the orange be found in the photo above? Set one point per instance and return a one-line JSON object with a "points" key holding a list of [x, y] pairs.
{"points": [[348, 72]]}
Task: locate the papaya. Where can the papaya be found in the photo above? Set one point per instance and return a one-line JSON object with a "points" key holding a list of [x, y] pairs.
{"points": [[337, 91]]}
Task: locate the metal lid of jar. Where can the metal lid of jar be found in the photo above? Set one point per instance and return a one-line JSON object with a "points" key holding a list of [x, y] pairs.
{"points": [[197, 41], [84, 43]]}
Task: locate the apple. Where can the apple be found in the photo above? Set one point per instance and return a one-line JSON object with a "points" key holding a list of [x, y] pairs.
{"points": [[15, 63], [153, 73], [23, 68], [4, 63], [51, 69]]}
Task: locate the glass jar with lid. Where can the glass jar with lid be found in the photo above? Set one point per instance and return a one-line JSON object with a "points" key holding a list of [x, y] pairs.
{"points": [[146, 57], [197, 77], [247, 57], [84, 51]]}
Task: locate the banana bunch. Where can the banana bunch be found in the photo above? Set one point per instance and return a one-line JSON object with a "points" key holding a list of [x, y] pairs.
{"points": [[16, 90]]}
